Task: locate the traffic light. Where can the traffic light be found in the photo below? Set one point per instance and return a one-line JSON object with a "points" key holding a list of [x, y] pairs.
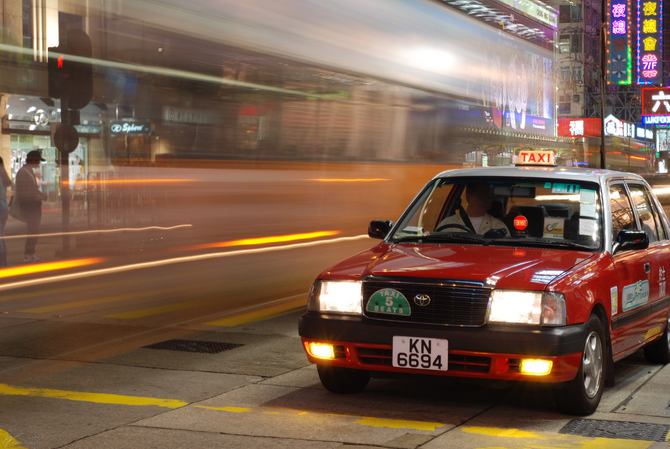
{"points": [[70, 70], [58, 74]]}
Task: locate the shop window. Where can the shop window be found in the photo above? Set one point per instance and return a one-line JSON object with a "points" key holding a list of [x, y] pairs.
{"points": [[27, 14], [564, 43], [576, 45], [564, 14], [576, 13]]}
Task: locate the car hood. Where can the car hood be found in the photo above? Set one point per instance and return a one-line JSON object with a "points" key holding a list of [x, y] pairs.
{"points": [[504, 267]]}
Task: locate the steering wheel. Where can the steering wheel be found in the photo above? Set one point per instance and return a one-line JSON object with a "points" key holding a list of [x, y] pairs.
{"points": [[454, 225]]}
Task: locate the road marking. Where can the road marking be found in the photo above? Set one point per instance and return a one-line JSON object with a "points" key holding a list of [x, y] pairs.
{"points": [[367, 421], [8, 441], [263, 314], [90, 302], [141, 313], [398, 423], [225, 409], [550, 440], [54, 291], [57, 291], [175, 260], [100, 398]]}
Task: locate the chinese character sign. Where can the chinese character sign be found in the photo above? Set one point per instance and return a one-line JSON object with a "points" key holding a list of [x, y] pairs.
{"points": [[649, 41], [655, 101], [619, 59]]}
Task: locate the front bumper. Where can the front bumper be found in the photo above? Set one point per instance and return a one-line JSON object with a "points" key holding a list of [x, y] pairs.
{"points": [[489, 352]]}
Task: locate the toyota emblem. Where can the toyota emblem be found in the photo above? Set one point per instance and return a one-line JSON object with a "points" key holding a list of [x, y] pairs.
{"points": [[422, 300]]}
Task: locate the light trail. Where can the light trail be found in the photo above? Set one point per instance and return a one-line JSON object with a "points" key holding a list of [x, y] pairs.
{"points": [[265, 240], [130, 181], [175, 260], [347, 179], [49, 266], [102, 231]]}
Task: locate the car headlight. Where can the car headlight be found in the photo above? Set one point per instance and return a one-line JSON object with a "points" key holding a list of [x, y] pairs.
{"points": [[335, 297], [528, 307]]}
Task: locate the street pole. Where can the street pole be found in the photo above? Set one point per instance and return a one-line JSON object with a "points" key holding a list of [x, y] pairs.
{"points": [[65, 179], [603, 85]]}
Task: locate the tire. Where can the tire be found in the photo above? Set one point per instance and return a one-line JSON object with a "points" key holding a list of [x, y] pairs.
{"points": [[343, 380], [581, 395], [659, 351]]}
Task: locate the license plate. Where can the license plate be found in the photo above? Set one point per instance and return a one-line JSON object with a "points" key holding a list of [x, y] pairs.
{"points": [[420, 353]]}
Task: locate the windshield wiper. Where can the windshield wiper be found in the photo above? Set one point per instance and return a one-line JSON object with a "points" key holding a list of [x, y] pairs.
{"points": [[542, 242]]}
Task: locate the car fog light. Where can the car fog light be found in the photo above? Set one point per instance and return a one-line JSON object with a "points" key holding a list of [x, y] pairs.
{"points": [[321, 350], [536, 367]]}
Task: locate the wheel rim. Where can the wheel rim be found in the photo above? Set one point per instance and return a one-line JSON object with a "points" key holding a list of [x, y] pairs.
{"points": [[592, 364], [667, 333]]}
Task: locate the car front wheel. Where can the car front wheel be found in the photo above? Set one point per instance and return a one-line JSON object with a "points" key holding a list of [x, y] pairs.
{"points": [[581, 395], [343, 380]]}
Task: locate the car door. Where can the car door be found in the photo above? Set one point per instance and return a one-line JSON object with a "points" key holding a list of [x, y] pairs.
{"points": [[659, 248], [633, 269]]}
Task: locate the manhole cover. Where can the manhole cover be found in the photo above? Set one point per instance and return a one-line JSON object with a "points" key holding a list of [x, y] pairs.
{"points": [[622, 430], [208, 347]]}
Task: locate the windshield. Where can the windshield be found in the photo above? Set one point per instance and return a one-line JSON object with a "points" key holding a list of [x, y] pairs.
{"points": [[501, 211]]}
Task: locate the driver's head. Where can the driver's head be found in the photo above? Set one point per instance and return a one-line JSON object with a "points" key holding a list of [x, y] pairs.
{"points": [[479, 199]]}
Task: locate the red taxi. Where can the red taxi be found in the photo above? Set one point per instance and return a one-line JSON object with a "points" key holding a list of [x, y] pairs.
{"points": [[532, 273]]}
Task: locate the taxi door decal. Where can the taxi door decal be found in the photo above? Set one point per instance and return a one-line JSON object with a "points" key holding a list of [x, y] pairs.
{"points": [[614, 294], [635, 295]]}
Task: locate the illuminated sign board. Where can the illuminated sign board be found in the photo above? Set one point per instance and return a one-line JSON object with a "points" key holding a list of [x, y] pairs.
{"points": [[657, 120], [655, 101], [619, 59], [649, 41], [591, 127]]}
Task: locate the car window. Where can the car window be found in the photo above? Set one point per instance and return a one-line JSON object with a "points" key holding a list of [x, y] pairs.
{"points": [[646, 212], [533, 211], [622, 212]]}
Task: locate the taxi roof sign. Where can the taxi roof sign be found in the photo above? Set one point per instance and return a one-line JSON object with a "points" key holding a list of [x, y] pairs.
{"points": [[543, 158]]}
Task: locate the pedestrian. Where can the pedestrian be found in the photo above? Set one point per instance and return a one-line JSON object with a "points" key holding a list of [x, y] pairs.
{"points": [[30, 200], [5, 183]]}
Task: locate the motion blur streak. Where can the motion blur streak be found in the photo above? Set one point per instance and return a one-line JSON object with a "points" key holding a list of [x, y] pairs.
{"points": [[51, 266], [134, 181], [271, 310], [164, 71], [262, 240], [100, 231], [139, 266], [348, 180]]}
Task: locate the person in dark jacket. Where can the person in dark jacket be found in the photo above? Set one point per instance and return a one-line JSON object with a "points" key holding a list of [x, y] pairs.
{"points": [[30, 200]]}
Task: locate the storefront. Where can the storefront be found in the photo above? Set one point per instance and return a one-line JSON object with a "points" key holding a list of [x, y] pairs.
{"points": [[629, 146], [30, 123]]}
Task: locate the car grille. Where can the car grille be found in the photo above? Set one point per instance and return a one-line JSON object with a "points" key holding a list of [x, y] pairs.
{"points": [[457, 362], [452, 303]]}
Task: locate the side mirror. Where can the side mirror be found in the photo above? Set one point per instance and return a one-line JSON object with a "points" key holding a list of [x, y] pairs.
{"points": [[628, 239], [378, 229]]}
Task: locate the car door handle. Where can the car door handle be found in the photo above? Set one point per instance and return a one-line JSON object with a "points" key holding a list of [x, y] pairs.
{"points": [[647, 268]]}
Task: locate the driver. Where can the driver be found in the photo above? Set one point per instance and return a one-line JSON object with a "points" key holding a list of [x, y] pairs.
{"points": [[479, 201]]}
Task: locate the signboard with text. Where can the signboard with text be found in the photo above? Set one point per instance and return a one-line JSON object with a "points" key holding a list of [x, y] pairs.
{"points": [[619, 58], [649, 41], [655, 101]]}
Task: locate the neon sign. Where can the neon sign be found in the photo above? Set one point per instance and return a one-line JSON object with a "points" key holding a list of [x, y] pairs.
{"points": [[619, 58], [649, 41]]}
